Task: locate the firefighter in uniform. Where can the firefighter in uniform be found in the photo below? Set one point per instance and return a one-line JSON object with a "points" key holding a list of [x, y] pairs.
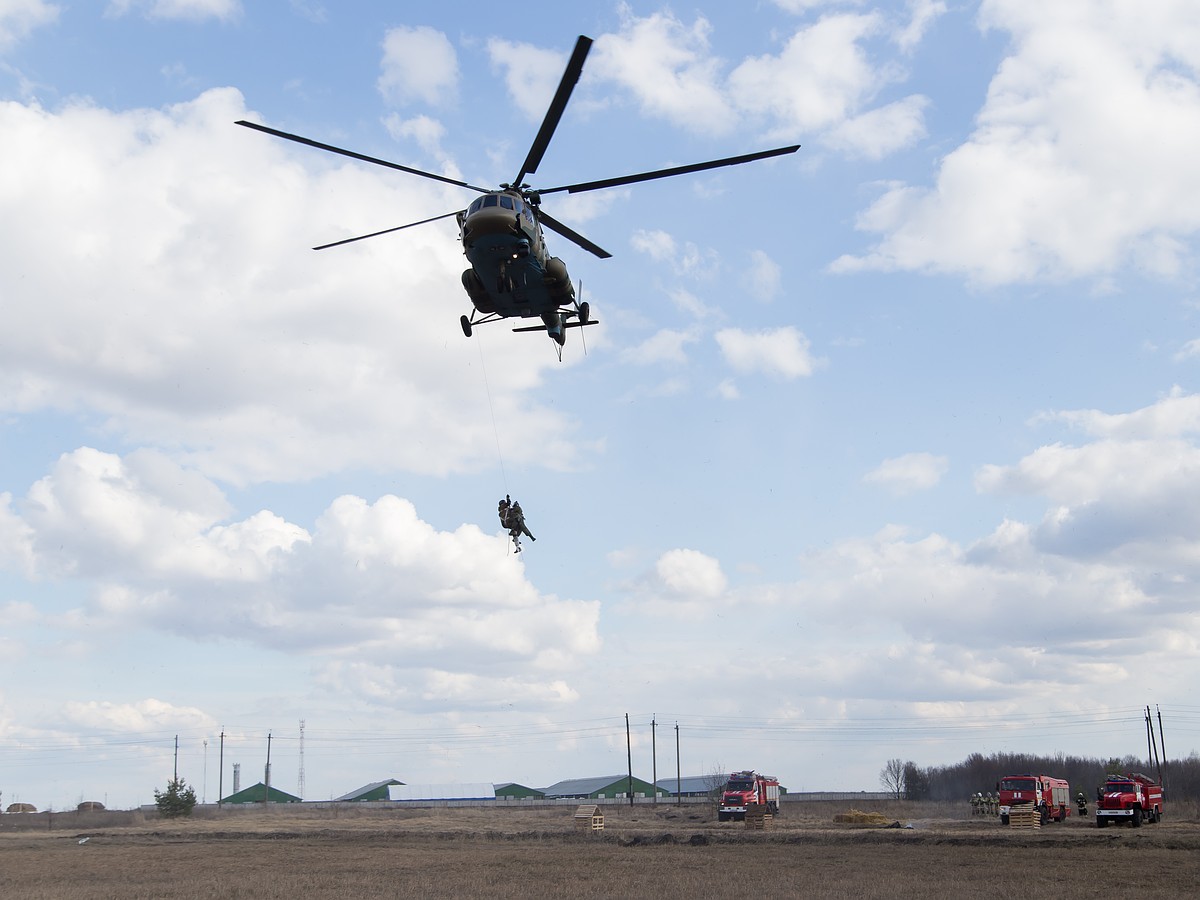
{"points": [[1081, 802]]}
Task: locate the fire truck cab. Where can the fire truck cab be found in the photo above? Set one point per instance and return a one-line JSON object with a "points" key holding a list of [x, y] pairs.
{"points": [[1132, 798]]}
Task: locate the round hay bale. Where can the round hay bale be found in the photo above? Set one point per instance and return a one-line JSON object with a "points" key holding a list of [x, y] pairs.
{"points": [[21, 808], [90, 806]]}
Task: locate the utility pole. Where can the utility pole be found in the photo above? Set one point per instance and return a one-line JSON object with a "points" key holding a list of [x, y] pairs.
{"points": [[221, 771], [1162, 743], [204, 787], [300, 780], [267, 773], [678, 777], [176, 776], [1151, 748], [654, 757], [629, 758]]}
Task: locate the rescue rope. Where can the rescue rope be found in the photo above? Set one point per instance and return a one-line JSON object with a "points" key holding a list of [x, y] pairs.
{"points": [[492, 409]]}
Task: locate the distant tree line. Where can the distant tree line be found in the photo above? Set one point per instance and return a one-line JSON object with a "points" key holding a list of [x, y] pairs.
{"points": [[979, 773]]}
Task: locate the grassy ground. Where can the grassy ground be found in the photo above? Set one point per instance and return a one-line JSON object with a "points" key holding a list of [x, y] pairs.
{"points": [[662, 851]]}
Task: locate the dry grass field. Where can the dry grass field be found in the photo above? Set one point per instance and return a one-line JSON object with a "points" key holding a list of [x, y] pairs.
{"points": [[662, 851]]}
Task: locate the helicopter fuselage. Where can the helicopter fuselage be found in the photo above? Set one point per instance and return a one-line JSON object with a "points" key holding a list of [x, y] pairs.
{"points": [[512, 273]]}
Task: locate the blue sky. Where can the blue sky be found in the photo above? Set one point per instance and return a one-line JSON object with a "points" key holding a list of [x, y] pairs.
{"points": [[884, 448]]}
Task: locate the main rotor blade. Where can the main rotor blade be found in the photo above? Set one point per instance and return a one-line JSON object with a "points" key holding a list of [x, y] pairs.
{"points": [[371, 159], [572, 235], [363, 237], [557, 106], [667, 173]]}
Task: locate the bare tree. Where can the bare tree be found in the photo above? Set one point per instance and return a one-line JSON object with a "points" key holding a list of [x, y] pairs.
{"points": [[891, 776], [715, 781]]}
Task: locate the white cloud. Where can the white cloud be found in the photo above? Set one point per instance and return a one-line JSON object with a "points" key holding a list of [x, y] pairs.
{"points": [[657, 244], [909, 473], [16, 539], [664, 346], [686, 260], [20, 17], [886, 129], [370, 579], [419, 65], [1188, 351], [923, 14], [1176, 414], [765, 276], [185, 310], [530, 73], [690, 573], [682, 583], [194, 10], [824, 79], [433, 690], [1081, 161], [820, 79], [783, 352], [1132, 495], [427, 132], [311, 10], [148, 715], [668, 67]]}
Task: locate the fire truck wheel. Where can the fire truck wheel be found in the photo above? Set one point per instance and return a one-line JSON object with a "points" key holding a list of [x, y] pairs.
{"points": [[1137, 818], [1101, 823]]}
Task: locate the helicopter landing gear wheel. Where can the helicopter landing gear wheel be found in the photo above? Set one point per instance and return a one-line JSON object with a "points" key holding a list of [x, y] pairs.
{"points": [[585, 313], [466, 325]]}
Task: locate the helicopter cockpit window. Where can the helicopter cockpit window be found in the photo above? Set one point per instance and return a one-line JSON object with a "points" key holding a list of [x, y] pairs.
{"points": [[506, 201], [489, 200], [474, 207]]}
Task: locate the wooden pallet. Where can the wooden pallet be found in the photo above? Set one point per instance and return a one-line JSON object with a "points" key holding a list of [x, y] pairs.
{"points": [[1024, 817], [589, 818], [757, 817]]}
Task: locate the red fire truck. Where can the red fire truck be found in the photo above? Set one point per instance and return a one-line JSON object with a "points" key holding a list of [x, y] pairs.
{"points": [[1132, 798], [744, 788], [1051, 796]]}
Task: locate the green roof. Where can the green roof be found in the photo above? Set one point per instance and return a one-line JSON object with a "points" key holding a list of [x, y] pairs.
{"points": [[260, 792], [610, 786]]}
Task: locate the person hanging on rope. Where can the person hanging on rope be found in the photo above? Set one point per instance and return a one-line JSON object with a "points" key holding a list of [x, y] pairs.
{"points": [[513, 518]]}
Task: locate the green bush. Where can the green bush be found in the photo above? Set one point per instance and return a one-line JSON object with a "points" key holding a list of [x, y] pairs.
{"points": [[177, 800]]}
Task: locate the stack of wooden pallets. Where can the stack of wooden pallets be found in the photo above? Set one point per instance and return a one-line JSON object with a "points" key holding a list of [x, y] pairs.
{"points": [[1025, 816], [589, 818], [758, 817]]}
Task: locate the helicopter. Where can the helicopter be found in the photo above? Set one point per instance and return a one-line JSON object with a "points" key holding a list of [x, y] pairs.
{"points": [[512, 274]]}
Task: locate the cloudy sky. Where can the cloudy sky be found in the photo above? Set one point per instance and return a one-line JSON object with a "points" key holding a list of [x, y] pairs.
{"points": [[887, 448]]}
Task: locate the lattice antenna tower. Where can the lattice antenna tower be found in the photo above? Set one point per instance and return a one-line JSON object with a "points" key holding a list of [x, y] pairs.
{"points": [[300, 780]]}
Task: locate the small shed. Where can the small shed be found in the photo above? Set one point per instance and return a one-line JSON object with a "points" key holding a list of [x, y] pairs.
{"points": [[510, 790], [589, 818], [260, 793]]}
